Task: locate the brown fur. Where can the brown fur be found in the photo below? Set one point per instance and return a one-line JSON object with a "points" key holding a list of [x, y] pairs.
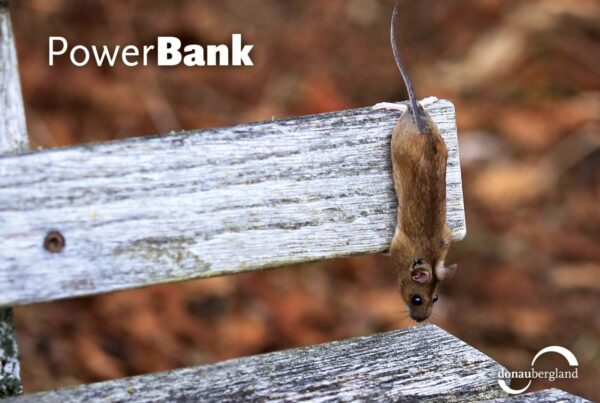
{"points": [[422, 237]]}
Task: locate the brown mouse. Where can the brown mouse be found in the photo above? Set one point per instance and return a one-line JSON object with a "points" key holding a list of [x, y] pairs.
{"points": [[422, 237]]}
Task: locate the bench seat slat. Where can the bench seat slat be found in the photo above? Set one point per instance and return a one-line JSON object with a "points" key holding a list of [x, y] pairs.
{"points": [[203, 203], [546, 396], [423, 363]]}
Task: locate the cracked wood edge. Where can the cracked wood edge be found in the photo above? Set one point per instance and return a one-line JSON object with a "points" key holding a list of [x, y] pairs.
{"points": [[417, 364], [13, 138], [204, 203]]}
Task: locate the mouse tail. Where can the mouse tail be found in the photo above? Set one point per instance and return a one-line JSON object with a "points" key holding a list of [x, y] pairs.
{"points": [[416, 112]]}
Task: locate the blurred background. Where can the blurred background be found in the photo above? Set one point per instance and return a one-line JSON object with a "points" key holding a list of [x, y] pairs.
{"points": [[525, 79]]}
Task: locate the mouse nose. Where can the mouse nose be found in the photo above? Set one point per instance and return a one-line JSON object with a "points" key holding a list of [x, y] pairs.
{"points": [[418, 318]]}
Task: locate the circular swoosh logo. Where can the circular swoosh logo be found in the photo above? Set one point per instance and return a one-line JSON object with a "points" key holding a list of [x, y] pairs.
{"points": [[568, 355]]}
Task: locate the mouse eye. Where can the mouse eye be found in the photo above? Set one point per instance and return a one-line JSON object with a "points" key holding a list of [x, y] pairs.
{"points": [[435, 298], [416, 300]]}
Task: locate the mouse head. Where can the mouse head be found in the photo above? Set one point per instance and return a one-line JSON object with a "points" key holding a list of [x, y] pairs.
{"points": [[418, 286]]}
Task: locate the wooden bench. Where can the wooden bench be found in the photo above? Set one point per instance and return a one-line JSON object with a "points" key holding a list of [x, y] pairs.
{"points": [[99, 218]]}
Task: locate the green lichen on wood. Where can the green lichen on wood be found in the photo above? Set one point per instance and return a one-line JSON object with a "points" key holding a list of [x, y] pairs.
{"points": [[174, 250], [10, 384], [10, 387]]}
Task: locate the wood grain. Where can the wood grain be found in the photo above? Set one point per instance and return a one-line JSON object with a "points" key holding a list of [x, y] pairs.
{"points": [[417, 364], [10, 377], [13, 138], [13, 131], [546, 396], [204, 203]]}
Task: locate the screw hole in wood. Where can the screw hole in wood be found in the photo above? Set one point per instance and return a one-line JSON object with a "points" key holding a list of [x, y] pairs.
{"points": [[54, 242]]}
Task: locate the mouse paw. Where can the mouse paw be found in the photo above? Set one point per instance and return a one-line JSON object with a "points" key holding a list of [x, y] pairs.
{"points": [[428, 101], [402, 107], [389, 106]]}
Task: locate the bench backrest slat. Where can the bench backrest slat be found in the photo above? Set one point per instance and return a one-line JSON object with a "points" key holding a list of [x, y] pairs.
{"points": [[204, 203]]}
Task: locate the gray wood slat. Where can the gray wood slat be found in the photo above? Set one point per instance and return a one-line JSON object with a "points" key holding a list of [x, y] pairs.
{"points": [[13, 131], [204, 203], [10, 379], [423, 363], [546, 396], [13, 138]]}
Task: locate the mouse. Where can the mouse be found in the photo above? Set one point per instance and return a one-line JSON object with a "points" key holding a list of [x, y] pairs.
{"points": [[422, 237]]}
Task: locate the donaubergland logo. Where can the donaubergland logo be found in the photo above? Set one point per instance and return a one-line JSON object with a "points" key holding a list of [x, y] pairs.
{"points": [[533, 374]]}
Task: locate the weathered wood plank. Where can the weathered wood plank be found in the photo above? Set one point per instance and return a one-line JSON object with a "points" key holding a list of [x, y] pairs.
{"points": [[10, 377], [13, 131], [13, 138], [546, 396], [424, 364], [197, 204]]}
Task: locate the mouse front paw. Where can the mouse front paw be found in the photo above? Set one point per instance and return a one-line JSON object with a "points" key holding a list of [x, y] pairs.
{"points": [[389, 106]]}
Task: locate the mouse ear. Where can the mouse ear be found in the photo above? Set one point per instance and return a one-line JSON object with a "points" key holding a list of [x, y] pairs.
{"points": [[444, 273], [420, 275]]}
